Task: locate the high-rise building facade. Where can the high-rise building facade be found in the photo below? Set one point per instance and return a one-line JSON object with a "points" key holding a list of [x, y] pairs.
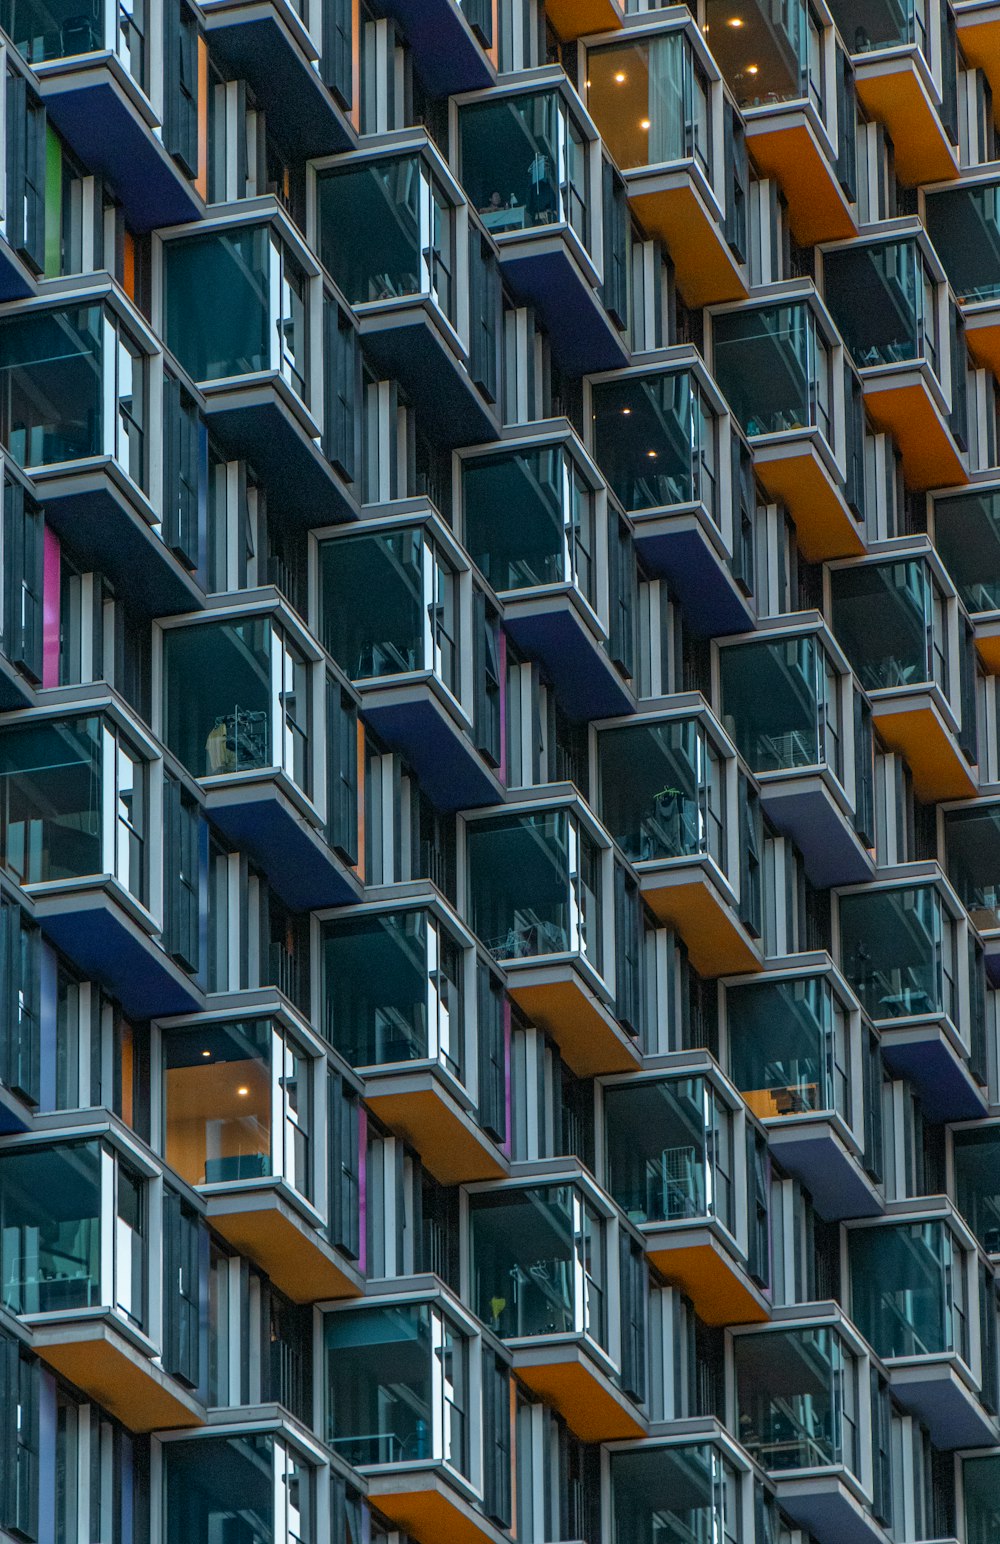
{"points": [[499, 772]]}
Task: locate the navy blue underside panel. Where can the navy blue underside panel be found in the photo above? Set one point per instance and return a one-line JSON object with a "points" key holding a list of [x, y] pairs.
{"points": [[585, 681], [711, 603], [581, 338], [109, 139], [300, 480], [449, 405], [106, 950], [99, 532], [829, 1515], [837, 1185], [304, 875], [831, 852], [447, 57], [285, 84], [949, 1416], [447, 766], [942, 1081], [13, 283]]}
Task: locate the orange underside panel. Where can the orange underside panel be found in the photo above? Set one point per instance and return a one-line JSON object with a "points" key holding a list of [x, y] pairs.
{"points": [[714, 942], [294, 1263], [823, 521], [587, 1406], [984, 344], [989, 651], [939, 769], [817, 209], [430, 1517], [587, 1040], [707, 272], [448, 1148], [930, 456], [108, 1375], [981, 46], [575, 18], [714, 1285], [898, 99]]}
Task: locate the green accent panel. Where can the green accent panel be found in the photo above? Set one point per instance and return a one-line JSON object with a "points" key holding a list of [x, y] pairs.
{"points": [[53, 202]]}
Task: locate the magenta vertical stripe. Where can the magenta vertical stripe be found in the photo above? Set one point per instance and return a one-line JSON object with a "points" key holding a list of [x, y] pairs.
{"points": [[509, 1138], [503, 706], [363, 1189], [50, 610]]}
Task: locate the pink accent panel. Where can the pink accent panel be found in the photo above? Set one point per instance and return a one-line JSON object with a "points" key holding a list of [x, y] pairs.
{"points": [[50, 610], [509, 1139], [363, 1189], [503, 706]]}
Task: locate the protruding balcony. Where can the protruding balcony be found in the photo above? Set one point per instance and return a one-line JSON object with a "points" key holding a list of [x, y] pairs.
{"points": [[246, 700], [788, 700], [537, 883], [681, 1158], [530, 163], [417, 318], [669, 793], [672, 458], [978, 24], [78, 394], [541, 1259], [77, 834], [962, 223], [241, 1123], [405, 1387], [241, 308], [258, 1483], [531, 518], [776, 66], [803, 1404], [684, 1487], [972, 861], [95, 69], [77, 1269], [907, 950], [981, 1492], [453, 42], [401, 615], [905, 70], [966, 535], [781, 368], [797, 1053], [975, 1159], [889, 300], [409, 1003], [656, 96], [897, 618], [914, 1295]]}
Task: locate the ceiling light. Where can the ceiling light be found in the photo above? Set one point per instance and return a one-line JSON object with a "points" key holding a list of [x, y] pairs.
{"points": [[736, 21], [752, 69], [651, 454], [644, 123], [243, 1092], [626, 412], [620, 77], [206, 1053]]}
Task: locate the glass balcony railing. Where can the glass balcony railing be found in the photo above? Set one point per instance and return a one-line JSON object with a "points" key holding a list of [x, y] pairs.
{"points": [[781, 702], [866, 28], [74, 385], [249, 1486], [538, 1259], [768, 54], [883, 298], [981, 1490], [662, 790], [909, 1290], [390, 605], [41, 32], [409, 225], [964, 226], [398, 1386], [670, 1150], [535, 886], [530, 519], [972, 845], [689, 1491], [976, 1155], [75, 1231], [797, 1399], [524, 163], [236, 303], [789, 1047], [238, 1104], [651, 100], [236, 699], [898, 951], [75, 803], [656, 440], [891, 620], [967, 538], [774, 367], [394, 989]]}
